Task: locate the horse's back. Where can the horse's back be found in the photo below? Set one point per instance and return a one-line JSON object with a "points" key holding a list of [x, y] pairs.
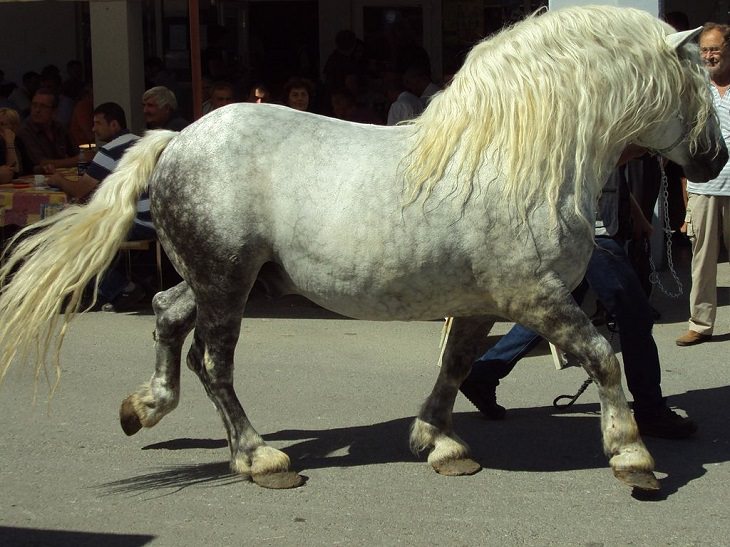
{"points": [[275, 151]]}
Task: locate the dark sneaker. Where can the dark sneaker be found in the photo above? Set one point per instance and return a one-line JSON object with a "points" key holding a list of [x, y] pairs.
{"points": [[483, 395], [663, 422]]}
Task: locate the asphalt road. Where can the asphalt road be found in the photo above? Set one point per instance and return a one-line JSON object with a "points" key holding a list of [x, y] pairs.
{"points": [[338, 396]]}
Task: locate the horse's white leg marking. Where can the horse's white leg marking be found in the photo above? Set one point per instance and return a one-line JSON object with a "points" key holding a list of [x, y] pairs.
{"points": [[175, 311], [466, 340]]}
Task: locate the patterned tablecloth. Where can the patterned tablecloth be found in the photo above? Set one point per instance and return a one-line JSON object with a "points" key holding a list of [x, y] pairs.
{"points": [[22, 203]]}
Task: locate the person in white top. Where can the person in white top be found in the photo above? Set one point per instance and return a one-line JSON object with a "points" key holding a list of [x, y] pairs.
{"points": [[417, 80], [708, 204]]}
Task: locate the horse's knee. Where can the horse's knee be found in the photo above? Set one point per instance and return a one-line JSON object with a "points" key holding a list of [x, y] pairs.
{"points": [[175, 313]]}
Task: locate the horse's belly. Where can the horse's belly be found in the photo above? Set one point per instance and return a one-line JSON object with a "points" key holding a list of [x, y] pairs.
{"points": [[421, 299]]}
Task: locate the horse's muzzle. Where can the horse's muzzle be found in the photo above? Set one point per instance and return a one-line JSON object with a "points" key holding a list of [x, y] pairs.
{"points": [[707, 166]]}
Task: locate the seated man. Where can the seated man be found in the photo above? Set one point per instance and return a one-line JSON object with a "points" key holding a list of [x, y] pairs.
{"points": [[110, 126], [46, 141], [618, 288], [221, 94], [159, 106]]}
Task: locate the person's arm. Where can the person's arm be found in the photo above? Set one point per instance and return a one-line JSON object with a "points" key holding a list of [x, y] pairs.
{"points": [[685, 198], [642, 228], [49, 165], [11, 154], [33, 150], [79, 189]]}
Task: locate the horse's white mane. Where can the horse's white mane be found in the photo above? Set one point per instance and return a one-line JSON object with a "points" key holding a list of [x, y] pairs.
{"points": [[557, 95]]}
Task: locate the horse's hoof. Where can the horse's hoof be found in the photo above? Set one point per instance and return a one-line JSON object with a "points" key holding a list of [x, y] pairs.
{"points": [[128, 418], [458, 467], [643, 480], [279, 480]]}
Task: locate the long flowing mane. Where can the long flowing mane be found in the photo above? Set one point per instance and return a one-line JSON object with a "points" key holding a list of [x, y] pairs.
{"points": [[558, 94]]}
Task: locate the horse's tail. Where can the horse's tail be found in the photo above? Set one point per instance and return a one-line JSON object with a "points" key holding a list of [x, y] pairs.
{"points": [[50, 263]]}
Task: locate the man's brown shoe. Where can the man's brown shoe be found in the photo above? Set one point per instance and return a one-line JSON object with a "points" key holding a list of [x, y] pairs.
{"points": [[690, 338]]}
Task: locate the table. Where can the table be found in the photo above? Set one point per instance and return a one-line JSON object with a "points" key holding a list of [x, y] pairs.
{"points": [[23, 204]]}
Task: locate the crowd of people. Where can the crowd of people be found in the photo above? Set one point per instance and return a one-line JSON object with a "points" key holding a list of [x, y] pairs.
{"points": [[350, 88]]}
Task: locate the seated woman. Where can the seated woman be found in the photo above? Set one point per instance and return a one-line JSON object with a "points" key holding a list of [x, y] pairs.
{"points": [[297, 93]]}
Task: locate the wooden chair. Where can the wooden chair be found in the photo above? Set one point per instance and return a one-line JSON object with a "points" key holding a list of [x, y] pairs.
{"points": [[143, 245]]}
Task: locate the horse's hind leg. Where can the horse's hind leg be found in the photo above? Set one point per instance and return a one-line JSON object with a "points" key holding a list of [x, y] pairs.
{"points": [[175, 312], [552, 312], [211, 358], [449, 455]]}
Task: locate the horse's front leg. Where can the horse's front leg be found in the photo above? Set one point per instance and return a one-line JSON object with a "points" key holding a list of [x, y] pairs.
{"points": [[552, 312], [449, 455], [175, 313], [211, 358]]}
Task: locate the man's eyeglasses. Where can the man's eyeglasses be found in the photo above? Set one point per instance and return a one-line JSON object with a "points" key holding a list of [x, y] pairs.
{"points": [[41, 105], [711, 50]]}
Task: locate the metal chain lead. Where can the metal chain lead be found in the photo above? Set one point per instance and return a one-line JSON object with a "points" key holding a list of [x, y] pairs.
{"points": [[666, 230]]}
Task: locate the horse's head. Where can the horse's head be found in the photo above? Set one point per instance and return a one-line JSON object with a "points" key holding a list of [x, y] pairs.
{"points": [[691, 137]]}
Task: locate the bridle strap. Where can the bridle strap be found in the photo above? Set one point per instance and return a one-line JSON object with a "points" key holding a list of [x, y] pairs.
{"points": [[677, 141], [663, 151]]}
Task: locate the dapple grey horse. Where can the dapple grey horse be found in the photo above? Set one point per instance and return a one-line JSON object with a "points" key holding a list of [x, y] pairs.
{"points": [[481, 207]]}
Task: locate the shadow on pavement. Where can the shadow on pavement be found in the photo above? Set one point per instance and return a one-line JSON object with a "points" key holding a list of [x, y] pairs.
{"points": [[175, 478], [186, 444], [10, 535], [540, 439]]}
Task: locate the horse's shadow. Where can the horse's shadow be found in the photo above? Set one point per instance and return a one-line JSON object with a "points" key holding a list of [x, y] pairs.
{"points": [[540, 439]]}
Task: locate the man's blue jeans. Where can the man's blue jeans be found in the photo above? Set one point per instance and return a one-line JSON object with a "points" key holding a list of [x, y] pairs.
{"points": [[617, 286]]}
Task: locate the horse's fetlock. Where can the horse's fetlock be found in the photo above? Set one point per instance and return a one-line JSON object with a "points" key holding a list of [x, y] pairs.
{"points": [[267, 459], [423, 436]]}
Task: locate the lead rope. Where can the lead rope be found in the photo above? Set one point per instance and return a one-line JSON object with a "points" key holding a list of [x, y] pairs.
{"points": [[667, 231]]}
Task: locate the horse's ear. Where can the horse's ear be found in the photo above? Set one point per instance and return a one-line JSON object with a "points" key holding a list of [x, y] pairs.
{"points": [[677, 39]]}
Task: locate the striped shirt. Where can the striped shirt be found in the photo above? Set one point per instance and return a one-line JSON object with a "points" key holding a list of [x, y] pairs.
{"points": [[105, 161], [719, 186]]}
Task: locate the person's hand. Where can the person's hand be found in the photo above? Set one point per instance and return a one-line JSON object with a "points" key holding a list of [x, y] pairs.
{"points": [[48, 168], [55, 180]]}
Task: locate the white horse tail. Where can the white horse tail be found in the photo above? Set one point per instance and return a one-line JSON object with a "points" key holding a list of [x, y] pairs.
{"points": [[49, 264]]}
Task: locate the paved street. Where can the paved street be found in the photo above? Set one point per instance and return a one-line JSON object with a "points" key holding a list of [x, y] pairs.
{"points": [[338, 396]]}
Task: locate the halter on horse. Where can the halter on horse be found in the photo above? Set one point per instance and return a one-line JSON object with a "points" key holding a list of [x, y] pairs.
{"points": [[482, 207]]}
